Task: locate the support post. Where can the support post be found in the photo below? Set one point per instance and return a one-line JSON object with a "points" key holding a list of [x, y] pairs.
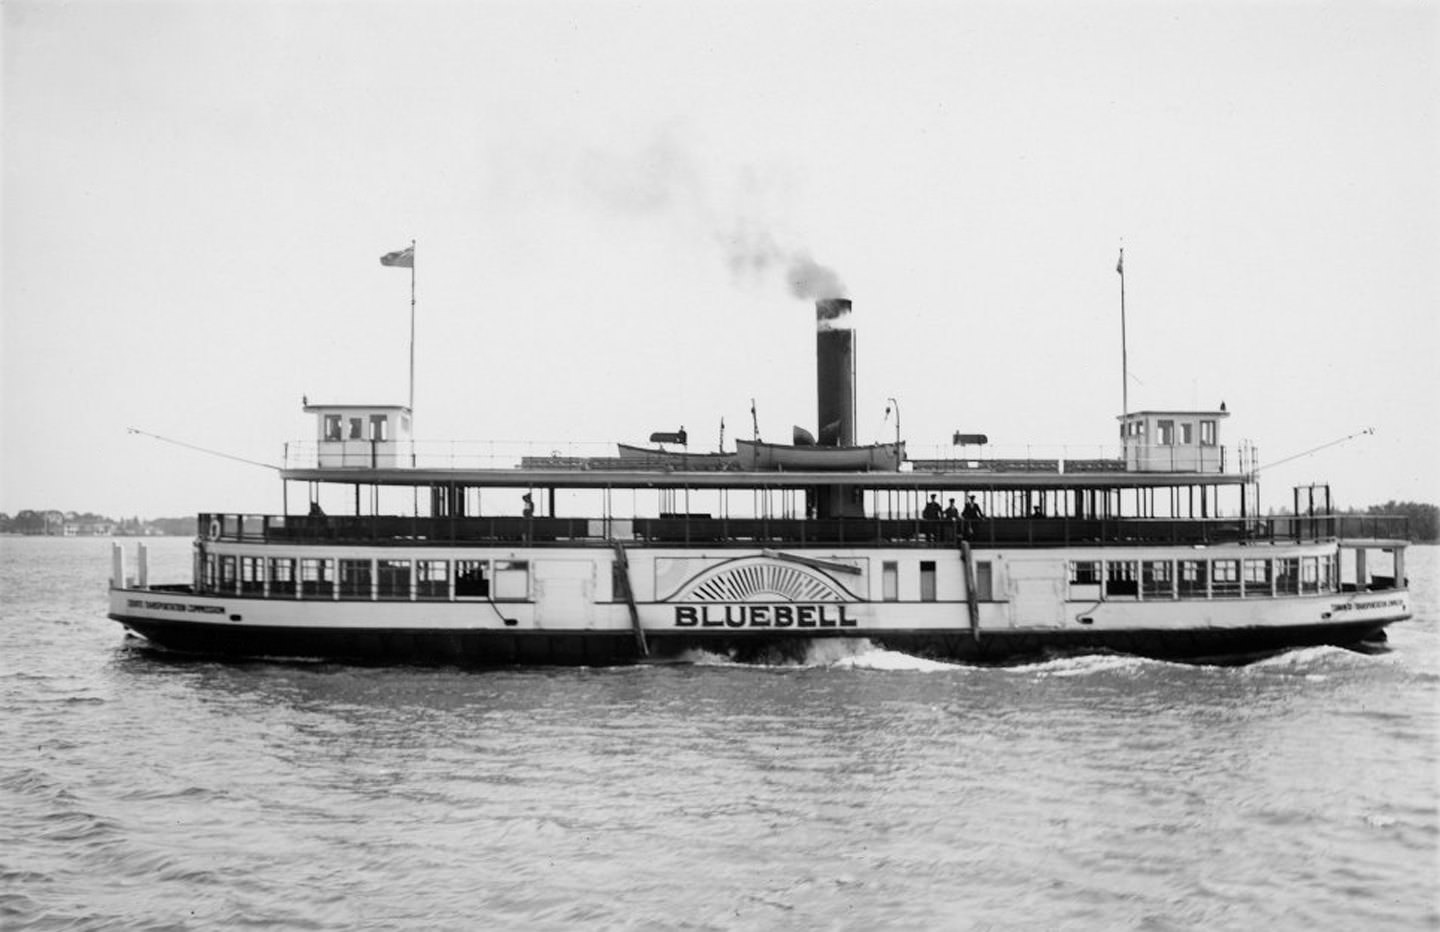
{"points": [[971, 597], [622, 577]]}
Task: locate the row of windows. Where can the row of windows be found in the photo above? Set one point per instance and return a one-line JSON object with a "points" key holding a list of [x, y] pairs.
{"points": [[1205, 579], [1166, 432], [331, 578], [338, 428], [444, 580]]}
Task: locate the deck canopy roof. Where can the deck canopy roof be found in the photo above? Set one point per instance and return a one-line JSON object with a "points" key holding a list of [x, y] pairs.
{"points": [[735, 479]]}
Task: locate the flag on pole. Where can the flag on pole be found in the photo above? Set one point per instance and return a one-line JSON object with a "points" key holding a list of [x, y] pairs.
{"points": [[404, 258], [1119, 266]]}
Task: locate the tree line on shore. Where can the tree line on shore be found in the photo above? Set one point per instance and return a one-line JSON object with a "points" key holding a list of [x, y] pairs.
{"points": [[1424, 519], [55, 523]]}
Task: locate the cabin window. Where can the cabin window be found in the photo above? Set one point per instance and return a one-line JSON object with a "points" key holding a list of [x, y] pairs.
{"points": [[927, 580], [392, 579], [1187, 433], [354, 579], [1207, 433], [357, 428], [472, 579], [1192, 581], [1309, 574], [282, 576], [228, 575], [212, 572], [379, 427], [333, 427], [1225, 578], [1328, 573], [1157, 579], [1287, 576], [432, 579], [890, 581], [984, 581], [317, 577], [1166, 430], [512, 579], [1258, 581], [1122, 578], [1085, 579], [252, 575]]}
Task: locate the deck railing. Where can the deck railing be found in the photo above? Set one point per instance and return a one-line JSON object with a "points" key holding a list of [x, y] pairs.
{"points": [[686, 530], [585, 455]]}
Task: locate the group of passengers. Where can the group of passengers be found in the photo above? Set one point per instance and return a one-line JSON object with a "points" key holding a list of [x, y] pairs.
{"points": [[956, 519], [972, 510]]}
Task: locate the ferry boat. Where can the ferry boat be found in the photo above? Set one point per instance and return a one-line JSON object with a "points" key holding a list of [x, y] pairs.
{"points": [[1160, 552]]}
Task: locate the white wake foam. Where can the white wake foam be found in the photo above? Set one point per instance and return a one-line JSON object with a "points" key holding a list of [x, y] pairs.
{"points": [[1302, 657], [1085, 665], [866, 656]]}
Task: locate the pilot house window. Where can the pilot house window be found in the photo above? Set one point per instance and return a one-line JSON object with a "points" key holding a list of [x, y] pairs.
{"points": [[1166, 430], [333, 427]]}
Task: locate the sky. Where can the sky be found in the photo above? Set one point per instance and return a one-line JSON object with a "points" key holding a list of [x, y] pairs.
{"points": [[607, 197]]}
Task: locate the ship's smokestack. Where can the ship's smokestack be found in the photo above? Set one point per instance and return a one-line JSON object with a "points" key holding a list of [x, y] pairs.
{"points": [[835, 372]]}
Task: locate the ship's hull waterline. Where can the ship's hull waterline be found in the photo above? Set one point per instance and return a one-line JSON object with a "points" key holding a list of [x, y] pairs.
{"points": [[490, 649], [484, 633]]}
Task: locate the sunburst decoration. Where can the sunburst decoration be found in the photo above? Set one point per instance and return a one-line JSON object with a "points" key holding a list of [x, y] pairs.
{"points": [[761, 580]]}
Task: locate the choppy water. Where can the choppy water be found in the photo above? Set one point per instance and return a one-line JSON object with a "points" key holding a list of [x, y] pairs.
{"points": [[863, 790]]}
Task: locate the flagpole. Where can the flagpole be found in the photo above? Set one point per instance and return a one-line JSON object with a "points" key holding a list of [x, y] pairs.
{"points": [[1124, 361], [412, 338]]}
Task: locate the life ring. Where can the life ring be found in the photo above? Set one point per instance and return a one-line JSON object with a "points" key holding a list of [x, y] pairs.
{"points": [[214, 528]]}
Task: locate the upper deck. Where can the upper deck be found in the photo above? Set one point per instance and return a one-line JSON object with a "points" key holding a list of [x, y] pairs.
{"points": [[544, 475]]}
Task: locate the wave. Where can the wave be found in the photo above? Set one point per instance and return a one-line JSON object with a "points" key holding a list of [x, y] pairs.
{"points": [[866, 656], [826, 653], [1090, 664]]}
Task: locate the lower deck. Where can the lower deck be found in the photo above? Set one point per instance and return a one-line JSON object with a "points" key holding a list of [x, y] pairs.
{"points": [[500, 605]]}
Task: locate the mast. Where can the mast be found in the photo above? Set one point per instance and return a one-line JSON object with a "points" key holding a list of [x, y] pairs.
{"points": [[1124, 362], [405, 259], [411, 402]]}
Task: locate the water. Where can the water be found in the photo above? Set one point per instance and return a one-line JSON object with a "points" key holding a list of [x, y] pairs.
{"points": [[861, 790]]}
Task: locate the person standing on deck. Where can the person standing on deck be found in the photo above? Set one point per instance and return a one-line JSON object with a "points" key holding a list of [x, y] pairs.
{"points": [[931, 516]]}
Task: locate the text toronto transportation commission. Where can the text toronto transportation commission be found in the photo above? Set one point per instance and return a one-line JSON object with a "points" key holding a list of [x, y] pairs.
{"points": [[758, 553]]}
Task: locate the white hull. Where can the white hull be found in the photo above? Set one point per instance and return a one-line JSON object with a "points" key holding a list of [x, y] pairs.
{"points": [[684, 598]]}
